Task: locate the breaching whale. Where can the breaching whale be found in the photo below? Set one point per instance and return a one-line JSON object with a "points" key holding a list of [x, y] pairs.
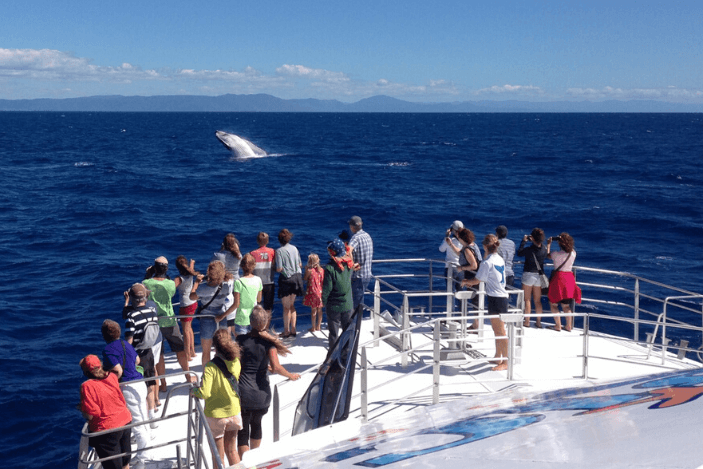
{"points": [[241, 147]]}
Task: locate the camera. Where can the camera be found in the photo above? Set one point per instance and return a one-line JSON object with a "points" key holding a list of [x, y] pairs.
{"points": [[556, 238]]}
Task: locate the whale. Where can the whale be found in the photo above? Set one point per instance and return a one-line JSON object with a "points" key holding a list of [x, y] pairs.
{"points": [[240, 147]]}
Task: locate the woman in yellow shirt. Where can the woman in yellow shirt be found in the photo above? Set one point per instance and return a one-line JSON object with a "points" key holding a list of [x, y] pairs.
{"points": [[219, 389]]}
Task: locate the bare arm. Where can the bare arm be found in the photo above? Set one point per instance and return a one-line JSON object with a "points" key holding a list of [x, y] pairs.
{"points": [[117, 370], [196, 283], [235, 305], [449, 243], [470, 282], [470, 258], [277, 368]]}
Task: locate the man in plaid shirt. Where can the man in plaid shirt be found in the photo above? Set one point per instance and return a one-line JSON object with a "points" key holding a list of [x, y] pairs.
{"points": [[362, 246]]}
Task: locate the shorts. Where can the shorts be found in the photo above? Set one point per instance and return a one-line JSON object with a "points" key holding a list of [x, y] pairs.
{"points": [[225, 424], [208, 326], [496, 305], [268, 296], [173, 336], [146, 360], [530, 279], [290, 286], [188, 311], [241, 330]]}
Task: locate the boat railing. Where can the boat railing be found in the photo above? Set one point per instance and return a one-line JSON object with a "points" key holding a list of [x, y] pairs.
{"points": [[196, 434], [406, 306], [644, 319], [607, 295], [656, 312]]}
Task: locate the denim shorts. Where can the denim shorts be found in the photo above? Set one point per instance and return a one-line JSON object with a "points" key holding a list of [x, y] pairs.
{"points": [[241, 330], [208, 326]]}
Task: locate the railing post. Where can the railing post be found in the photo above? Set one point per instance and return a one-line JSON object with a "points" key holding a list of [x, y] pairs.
{"points": [[637, 309], [481, 308], [450, 290], [431, 288], [435, 368], [364, 387], [511, 349], [199, 447], [276, 417], [584, 367], [189, 431], [376, 311], [665, 341], [405, 339]]}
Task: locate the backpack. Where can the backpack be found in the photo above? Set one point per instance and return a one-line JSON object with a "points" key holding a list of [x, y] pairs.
{"points": [[152, 332]]}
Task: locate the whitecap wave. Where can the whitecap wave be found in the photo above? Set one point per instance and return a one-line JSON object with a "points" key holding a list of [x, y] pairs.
{"points": [[83, 164]]}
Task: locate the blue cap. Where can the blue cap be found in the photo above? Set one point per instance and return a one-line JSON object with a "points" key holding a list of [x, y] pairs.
{"points": [[337, 247]]}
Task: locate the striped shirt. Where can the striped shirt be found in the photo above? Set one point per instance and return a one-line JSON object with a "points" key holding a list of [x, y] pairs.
{"points": [[136, 320], [363, 253]]}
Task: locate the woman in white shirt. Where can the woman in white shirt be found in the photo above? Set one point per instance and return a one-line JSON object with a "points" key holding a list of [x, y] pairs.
{"points": [[492, 273]]}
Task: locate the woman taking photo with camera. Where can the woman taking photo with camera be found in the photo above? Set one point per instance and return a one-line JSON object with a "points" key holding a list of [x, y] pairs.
{"points": [[212, 296], [534, 255], [562, 286]]}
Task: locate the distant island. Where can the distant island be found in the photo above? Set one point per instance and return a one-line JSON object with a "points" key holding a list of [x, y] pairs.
{"points": [[268, 103]]}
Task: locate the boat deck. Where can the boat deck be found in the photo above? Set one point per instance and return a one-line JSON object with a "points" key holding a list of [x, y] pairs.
{"points": [[547, 360]]}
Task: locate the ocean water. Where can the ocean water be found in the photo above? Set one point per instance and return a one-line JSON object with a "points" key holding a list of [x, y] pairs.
{"points": [[90, 199]]}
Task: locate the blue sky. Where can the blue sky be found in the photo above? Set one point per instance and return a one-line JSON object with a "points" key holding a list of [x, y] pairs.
{"points": [[414, 50]]}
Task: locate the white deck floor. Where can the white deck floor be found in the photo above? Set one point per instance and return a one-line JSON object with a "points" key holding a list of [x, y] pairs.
{"points": [[548, 360]]}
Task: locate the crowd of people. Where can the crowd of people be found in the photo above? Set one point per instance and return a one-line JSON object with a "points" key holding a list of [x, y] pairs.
{"points": [[495, 269], [234, 314]]}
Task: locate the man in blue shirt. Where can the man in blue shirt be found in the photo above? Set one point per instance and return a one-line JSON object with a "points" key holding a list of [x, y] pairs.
{"points": [[362, 253]]}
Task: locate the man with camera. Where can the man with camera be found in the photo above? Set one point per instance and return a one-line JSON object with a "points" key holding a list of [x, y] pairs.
{"points": [[451, 258]]}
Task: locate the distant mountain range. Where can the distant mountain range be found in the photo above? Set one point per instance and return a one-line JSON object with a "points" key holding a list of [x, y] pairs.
{"points": [[268, 103]]}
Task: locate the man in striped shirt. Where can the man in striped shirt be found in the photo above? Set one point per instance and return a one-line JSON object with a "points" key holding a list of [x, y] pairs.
{"points": [[362, 251], [137, 316]]}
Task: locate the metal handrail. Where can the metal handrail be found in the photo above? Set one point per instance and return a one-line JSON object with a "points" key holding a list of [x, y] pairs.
{"points": [[383, 290]]}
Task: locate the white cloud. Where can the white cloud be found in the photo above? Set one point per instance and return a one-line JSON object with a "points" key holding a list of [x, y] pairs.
{"points": [[608, 92], [47, 64], [512, 89], [319, 74]]}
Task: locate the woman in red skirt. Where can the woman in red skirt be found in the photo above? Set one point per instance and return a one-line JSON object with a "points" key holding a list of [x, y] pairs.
{"points": [[562, 287]]}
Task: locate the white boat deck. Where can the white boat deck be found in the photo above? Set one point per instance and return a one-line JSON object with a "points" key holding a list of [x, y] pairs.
{"points": [[547, 360]]}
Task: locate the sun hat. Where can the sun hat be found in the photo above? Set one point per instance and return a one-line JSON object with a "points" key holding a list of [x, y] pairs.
{"points": [[336, 246]]}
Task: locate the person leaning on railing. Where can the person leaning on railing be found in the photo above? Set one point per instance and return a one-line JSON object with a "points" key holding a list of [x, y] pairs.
{"points": [[103, 405]]}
